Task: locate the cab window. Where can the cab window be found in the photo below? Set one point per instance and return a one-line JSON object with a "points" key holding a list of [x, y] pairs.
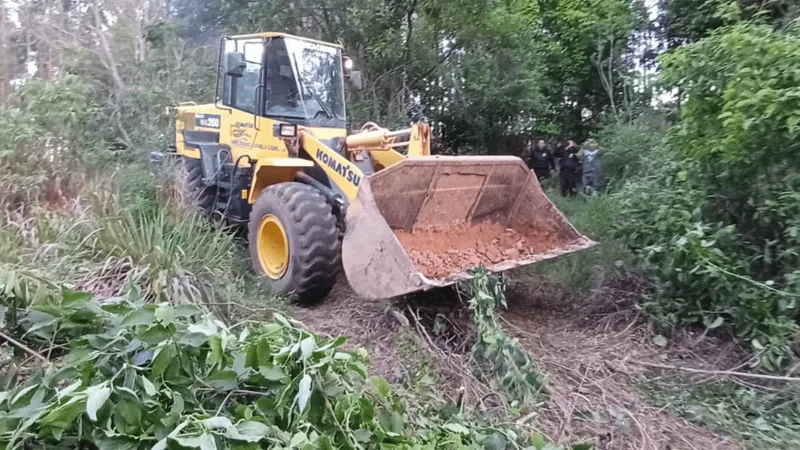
{"points": [[246, 89]]}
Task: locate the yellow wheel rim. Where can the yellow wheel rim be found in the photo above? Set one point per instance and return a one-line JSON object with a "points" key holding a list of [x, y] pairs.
{"points": [[273, 247]]}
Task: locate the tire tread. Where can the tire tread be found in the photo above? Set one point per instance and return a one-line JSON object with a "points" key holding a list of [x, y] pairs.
{"points": [[315, 246]]}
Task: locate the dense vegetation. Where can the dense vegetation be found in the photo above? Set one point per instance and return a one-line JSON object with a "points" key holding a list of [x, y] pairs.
{"points": [[715, 217], [704, 200]]}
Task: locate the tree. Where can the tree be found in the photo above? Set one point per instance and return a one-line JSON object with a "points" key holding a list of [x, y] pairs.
{"points": [[585, 67], [686, 21]]}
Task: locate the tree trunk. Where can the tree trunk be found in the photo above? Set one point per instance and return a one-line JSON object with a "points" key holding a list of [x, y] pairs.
{"points": [[4, 51], [108, 54], [606, 78]]}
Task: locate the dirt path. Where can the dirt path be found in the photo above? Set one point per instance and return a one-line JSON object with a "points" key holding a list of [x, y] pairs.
{"points": [[592, 350], [595, 351]]}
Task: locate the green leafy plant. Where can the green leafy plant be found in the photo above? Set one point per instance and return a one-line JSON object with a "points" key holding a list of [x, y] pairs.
{"points": [[765, 419], [171, 253], [165, 377], [512, 368], [700, 273], [714, 217]]}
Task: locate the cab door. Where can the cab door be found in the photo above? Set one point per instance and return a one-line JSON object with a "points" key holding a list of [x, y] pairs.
{"points": [[246, 131]]}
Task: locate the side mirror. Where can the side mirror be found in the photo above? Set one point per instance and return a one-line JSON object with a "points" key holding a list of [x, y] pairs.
{"points": [[355, 80], [235, 65]]}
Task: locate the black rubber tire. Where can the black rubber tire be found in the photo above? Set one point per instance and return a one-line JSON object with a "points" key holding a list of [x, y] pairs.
{"points": [[314, 247], [194, 192]]}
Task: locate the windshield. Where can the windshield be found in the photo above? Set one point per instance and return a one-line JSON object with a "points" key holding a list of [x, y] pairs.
{"points": [[304, 83]]}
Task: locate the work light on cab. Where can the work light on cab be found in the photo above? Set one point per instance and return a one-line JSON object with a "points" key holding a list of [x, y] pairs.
{"points": [[288, 130]]}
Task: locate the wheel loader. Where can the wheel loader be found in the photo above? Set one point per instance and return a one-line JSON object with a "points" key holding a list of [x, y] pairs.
{"points": [[273, 152]]}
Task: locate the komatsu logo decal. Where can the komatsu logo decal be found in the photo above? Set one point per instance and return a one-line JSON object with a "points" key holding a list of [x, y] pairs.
{"points": [[339, 168]]}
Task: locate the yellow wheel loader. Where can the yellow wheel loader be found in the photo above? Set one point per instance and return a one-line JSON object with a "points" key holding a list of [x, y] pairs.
{"points": [[273, 152]]}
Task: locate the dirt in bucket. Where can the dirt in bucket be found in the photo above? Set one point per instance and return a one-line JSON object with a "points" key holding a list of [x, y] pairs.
{"points": [[440, 251]]}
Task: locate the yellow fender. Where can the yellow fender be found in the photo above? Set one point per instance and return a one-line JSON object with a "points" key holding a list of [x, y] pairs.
{"points": [[271, 171]]}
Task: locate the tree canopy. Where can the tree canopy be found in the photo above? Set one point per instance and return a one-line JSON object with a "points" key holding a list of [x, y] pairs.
{"points": [[487, 74]]}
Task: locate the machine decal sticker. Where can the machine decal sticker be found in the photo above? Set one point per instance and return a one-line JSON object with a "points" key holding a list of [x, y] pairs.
{"points": [[207, 120], [351, 177]]}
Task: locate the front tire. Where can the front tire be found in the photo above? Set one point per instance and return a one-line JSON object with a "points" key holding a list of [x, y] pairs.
{"points": [[293, 242]]}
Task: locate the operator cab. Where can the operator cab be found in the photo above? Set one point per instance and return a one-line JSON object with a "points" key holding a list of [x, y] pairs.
{"points": [[286, 78]]}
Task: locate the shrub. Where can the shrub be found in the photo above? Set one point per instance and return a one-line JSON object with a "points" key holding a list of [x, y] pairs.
{"points": [[700, 268], [741, 125], [46, 137], [626, 146], [715, 218]]}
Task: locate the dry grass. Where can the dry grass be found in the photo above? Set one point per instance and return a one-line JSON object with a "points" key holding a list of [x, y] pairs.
{"points": [[590, 348], [385, 329]]}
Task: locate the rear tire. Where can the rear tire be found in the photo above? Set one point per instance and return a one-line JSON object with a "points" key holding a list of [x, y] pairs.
{"points": [[298, 217], [194, 191]]}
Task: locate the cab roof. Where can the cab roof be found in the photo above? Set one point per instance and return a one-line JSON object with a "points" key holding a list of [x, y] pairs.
{"points": [[272, 34]]}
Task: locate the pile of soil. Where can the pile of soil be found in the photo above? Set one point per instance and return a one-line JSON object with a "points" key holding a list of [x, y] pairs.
{"points": [[440, 251]]}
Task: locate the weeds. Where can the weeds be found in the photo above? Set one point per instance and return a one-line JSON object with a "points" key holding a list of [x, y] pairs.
{"points": [[594, 216], [10, 244], [164, 251], [132, 237]]}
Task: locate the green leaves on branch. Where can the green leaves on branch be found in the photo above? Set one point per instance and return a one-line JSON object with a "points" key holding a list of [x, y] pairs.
{"points": [[159, 376], [716, 212], [164, 377], [512, 368]]}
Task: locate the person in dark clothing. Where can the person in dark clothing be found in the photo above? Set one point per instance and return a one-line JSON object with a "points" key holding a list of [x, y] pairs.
{"points": [[542, 161], [568, 168]]}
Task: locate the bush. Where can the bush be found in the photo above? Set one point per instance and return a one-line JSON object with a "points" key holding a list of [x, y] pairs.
{"points": [[626, 146], [699, 269], [741, 126], [46, 137], [715, 218]]}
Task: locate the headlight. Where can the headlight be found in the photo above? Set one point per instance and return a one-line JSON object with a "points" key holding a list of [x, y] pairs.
{"points": [[348, 64]]}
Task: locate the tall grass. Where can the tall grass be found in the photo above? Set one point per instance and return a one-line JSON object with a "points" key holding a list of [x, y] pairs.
{"points": [[127, 235], [593, 216], [167, 253], [163, 242], [10, 244]]}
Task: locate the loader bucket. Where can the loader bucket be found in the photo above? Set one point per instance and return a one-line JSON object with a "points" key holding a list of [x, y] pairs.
{"points": [[425, 221]]}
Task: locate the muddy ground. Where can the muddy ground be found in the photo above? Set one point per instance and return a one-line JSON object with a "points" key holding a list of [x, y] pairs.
{"points": [[595, 350]]}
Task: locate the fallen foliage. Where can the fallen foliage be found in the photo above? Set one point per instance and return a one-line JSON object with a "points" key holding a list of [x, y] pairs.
{"points": [[160, 376]]}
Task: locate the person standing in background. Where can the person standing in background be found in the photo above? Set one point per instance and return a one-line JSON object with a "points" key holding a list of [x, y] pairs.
{"points": [[592, 167], [568, 168], [542, 161]]}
